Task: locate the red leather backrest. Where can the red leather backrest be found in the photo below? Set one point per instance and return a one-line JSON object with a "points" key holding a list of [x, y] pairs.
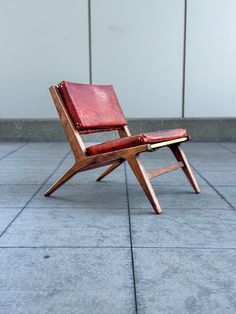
{"points": [[92, 107]]}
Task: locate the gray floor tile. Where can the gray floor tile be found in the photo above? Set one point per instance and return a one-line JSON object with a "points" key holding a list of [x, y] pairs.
{"points": [[35, 163], [162, 153], [96, 195], [69, 227], [215, 165], [212, 159], [176, 177], [198, 277], [16, 195], [67, 163], [44, 146], [177, 197], [204, 148], [172, 178], [49, 154], [69, 281], [149, 161], [42, 150], [207, 156], [185, 281], [231, 146], [184, 228], [6, 216], [219, 178], [28, 176], [90, 176], [229, 192], [217, 158], [70, 155], [7, 147]]}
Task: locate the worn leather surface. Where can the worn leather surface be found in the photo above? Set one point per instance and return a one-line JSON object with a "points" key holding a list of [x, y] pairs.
{"points": [[136, 140], [92, 107]]}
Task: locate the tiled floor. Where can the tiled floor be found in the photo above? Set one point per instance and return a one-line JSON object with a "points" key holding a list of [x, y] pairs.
{"points": [[99, 248]]}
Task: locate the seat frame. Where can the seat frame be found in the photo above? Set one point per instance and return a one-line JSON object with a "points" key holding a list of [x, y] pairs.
{"points": [[114, 159]]}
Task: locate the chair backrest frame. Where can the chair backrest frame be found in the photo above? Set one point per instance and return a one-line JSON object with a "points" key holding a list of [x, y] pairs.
{"points": [[73, 135]]}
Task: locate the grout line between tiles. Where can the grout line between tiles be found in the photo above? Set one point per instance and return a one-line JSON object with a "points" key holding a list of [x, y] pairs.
{"points": [[64, 247], [185, 208], [119, 247], [131, 242], [213, 187], [184, 59], [40, 186], [184, 248], [230, 150], [90, 42], [121, 208], [13, 151], [216, 170]]}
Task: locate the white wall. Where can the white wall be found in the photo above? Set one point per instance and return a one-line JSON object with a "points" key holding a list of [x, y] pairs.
{"points": [[211, 58], [136, 45], [41, 43]]}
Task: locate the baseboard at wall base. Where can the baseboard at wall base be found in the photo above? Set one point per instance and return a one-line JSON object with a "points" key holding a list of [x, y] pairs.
{"points": [[199, 129]]}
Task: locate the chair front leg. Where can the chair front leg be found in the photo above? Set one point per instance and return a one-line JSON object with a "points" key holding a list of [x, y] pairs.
{"points": [[70, 173], [180, 156], [144, 181]]}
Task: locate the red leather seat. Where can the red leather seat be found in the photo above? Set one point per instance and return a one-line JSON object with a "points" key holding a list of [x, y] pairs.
{"points": [[136, 140]]}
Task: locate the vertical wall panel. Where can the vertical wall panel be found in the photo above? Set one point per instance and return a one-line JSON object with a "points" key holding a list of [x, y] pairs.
{"points": [[42, 42], [211, 58], [137, 46]]}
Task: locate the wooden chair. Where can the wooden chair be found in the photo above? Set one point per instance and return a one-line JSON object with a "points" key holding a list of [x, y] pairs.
{"points": [[87, 108]]}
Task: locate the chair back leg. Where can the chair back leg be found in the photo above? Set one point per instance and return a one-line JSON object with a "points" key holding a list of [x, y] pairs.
{"points": [[180, 156], [109, 170], [144, 181]]}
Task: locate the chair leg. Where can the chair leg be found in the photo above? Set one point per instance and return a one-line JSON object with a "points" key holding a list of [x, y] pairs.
{"points": [[70, 173], [144, 181], [108, 170], [180, 156]]}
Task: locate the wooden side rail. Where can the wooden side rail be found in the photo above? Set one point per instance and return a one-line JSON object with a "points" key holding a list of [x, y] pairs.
{"points": [[157, 172]]}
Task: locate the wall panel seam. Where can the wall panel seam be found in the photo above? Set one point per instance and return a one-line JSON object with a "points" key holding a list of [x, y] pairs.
{"points": [[90, 43], [184, 57]]}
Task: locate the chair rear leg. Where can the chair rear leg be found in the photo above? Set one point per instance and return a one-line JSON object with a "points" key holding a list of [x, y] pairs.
{"points": [[109, 170], [144, 181], [70, 173], [180, 156]]}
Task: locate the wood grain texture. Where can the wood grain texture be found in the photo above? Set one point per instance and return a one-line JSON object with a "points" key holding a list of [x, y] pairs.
{"points": [[157, 172], [114, 159], [180, 156], [144, 181]]}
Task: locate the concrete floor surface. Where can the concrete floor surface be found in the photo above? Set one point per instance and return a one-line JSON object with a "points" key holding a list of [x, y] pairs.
{"points": [[98, 247]]}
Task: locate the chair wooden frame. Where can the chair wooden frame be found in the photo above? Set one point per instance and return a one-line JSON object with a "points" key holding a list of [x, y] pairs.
{"points": [[114, 159]]}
